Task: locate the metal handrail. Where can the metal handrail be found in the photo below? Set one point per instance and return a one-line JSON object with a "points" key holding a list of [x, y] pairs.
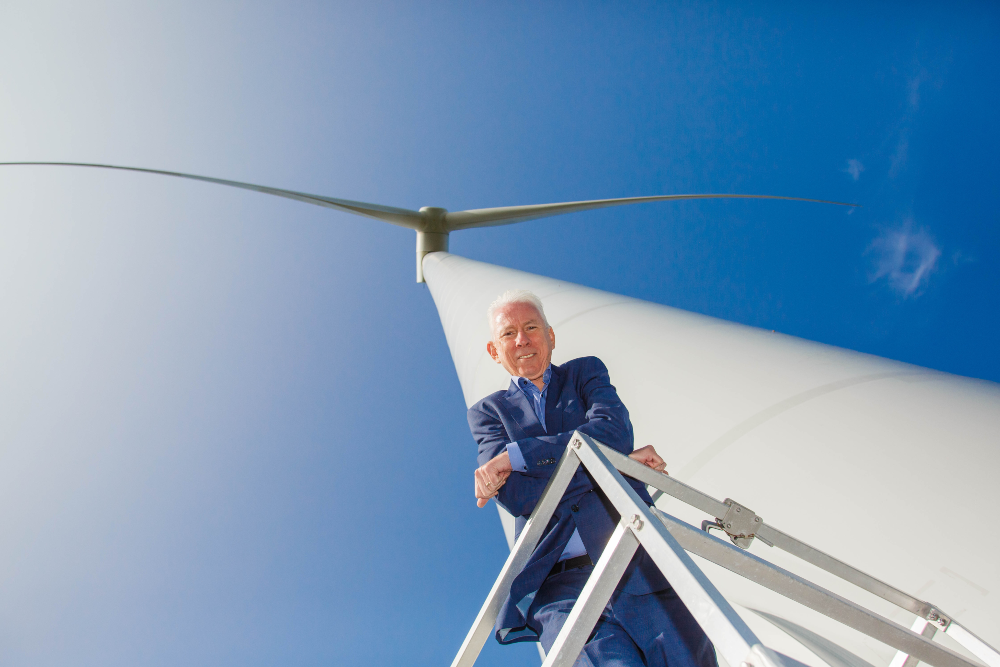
{"points": [[667, 541], [929, 617]]}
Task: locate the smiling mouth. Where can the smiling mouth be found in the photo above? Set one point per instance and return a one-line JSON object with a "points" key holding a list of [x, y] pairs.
{"points": [[526, 356]]}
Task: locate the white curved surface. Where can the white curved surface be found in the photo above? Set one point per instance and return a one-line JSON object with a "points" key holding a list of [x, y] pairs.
{"points": [[887, 466]]}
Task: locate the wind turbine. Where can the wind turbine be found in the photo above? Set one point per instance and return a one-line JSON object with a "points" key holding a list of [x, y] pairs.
{"points": [[888, 466]]}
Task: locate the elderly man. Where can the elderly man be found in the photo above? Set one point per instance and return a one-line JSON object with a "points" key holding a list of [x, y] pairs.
{"points": [[522, 432]]}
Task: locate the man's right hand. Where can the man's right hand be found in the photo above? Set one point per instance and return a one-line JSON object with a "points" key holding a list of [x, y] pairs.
{"points": [[490, 477], [648, 456]]}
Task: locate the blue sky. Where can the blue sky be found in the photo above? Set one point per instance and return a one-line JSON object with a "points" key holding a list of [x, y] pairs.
{"points": [[231, 432]]}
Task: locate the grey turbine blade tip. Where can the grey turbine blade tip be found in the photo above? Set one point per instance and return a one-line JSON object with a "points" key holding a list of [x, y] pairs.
{"points": [[396, 216]]}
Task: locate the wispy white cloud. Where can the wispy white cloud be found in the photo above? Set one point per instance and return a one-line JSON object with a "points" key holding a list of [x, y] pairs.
{"points": [[854, 168], [905, 258], [901, 153]]}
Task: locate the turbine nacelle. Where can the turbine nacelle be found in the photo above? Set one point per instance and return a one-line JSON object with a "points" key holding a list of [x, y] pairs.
{"points": [[433, 237]]}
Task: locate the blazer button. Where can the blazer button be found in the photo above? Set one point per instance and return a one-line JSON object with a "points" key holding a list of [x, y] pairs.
{"points": [[575, 508]]}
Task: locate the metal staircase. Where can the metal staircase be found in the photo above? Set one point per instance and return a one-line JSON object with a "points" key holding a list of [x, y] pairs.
{"points": [[668, 541]]}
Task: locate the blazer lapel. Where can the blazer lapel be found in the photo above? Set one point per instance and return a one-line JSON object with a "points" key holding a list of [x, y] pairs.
{"points": [[553, 410], [522, 414]]}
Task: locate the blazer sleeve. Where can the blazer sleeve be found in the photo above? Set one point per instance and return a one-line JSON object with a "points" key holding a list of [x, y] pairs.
{"points": [[521, 492]]}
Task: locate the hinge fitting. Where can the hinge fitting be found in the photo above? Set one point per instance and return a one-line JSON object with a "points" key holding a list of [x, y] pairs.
{"points": [[740, 524]]}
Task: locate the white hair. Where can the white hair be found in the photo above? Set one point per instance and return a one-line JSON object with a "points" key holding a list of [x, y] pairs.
{"points": [[516, 296]]}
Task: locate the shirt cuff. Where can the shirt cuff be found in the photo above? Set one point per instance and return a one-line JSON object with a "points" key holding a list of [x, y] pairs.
{"points": [[516, 459]]}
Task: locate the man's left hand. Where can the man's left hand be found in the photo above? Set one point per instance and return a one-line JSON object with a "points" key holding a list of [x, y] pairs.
{"points": [[490, 477], [648, 457]]}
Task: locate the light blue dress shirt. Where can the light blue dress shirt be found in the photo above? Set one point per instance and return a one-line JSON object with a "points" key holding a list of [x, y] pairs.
{"points": [[575, 546]]}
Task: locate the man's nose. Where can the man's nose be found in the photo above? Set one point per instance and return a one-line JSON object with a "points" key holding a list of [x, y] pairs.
{"points": [[522, 338]]}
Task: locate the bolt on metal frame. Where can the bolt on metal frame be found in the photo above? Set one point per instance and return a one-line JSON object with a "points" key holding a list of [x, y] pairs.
{"points": [[667, 541]]}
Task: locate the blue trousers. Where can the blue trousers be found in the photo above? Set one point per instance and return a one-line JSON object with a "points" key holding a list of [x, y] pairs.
{"points": [[655, 630]]}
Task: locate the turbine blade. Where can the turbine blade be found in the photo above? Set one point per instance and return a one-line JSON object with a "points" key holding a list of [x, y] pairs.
{"points": [[396, 216], [507, 215]]}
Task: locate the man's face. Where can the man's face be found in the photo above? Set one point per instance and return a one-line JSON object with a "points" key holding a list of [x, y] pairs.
{"points": [[521, 341]]}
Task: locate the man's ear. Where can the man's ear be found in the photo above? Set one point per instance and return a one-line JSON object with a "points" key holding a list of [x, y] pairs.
{"points": [[552, 337], [491, 348]]}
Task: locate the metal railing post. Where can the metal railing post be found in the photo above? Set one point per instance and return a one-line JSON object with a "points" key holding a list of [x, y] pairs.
{"points": [[974, 644], [922, 627], [519, 555], [593, 598], [724, 627]]}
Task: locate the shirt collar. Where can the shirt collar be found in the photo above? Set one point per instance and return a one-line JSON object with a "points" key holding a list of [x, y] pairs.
{"points": [[525, 383]]}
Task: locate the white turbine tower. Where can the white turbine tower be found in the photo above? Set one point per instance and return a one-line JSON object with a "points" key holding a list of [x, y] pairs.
{"points": [[887, 466]]}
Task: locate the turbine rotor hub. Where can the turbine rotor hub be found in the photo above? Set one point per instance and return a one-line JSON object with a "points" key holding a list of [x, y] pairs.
{"points": [[434, 219]]}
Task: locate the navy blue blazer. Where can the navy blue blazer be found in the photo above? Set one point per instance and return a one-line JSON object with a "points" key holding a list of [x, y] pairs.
{"points": [[580, 398]]}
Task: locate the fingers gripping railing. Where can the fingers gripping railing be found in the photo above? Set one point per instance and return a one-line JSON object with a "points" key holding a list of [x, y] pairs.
{"points": [[665, 540]]}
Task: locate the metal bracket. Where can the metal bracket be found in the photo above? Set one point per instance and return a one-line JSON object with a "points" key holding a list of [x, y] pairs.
{"points": [[740, 523]]}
